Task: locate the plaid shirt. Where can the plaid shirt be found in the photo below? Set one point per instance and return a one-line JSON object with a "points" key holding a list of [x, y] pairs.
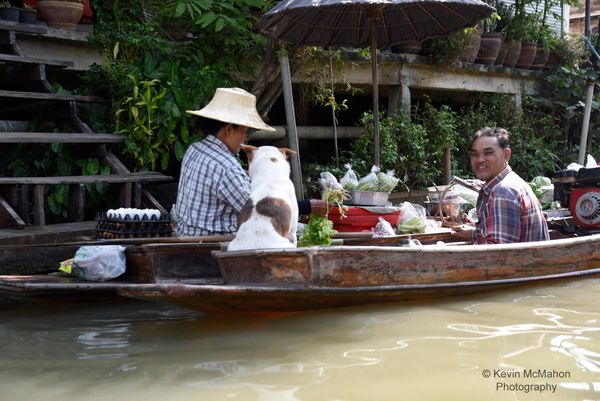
{"points": [[508, 211], [213, 188]]}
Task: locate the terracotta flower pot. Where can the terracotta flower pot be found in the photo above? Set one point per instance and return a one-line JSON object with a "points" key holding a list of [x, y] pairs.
{"points": [[60, 14], [471, 53], [528, 51], [501, 54], [489, 48], [540, 60], [513, 50]]}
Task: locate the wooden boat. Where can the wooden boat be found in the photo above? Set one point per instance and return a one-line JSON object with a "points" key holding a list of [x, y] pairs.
{"points": [[201, 276]]}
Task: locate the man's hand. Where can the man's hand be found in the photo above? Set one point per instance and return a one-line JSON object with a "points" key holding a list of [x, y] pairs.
{"points": [[319, 207], [464, 232]]}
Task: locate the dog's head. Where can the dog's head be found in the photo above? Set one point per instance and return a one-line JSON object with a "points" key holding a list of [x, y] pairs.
{"points": [[267, 157]]}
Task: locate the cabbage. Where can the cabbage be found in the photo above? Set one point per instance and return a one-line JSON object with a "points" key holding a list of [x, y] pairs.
{"points": [[538, 183]]}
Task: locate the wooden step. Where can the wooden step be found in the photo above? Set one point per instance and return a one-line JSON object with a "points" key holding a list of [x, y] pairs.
{"points": [[15, 59], [20, 27], [59, 137], [87, 179], [7, 94]]}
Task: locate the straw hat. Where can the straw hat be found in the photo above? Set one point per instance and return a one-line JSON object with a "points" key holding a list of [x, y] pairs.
{"points": [[235, 106]]}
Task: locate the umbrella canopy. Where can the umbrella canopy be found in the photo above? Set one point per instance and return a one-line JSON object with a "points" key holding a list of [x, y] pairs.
{"points": [[347, 23], [368, 23]]}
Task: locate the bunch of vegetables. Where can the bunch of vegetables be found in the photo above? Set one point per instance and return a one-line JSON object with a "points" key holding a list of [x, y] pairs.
{"points": [[540, 185], [375, 181], [319, 230]]}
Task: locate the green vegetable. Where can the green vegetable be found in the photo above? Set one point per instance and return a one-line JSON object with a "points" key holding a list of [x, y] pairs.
{"points": [[387, 181], [540, 181], [415, 225], [318, 231], [537, 183], [371, 186]]}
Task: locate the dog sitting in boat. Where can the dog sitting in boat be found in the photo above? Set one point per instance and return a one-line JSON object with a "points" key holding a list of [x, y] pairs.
{"points": [[270, 216]]}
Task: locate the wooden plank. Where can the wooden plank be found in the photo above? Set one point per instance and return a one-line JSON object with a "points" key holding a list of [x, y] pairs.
{"points": [[76, 202], [11, 58], [150, 200], [49, 96], [58, 137], [8, 217], [20, 27], [125, 195], [87, 179], [39, 215], [24, 203]]}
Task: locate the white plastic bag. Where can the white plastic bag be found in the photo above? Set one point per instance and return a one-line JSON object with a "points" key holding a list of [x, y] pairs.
{"points": [[96, 262], [387, 181], [413, 219], [383, 228], [369, 182], [328, 180], [349, 181]]}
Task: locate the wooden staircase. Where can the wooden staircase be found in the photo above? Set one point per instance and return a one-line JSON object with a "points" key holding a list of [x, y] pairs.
{"points": [[26, 95]]}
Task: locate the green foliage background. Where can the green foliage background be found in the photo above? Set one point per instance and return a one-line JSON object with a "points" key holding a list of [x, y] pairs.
{"points": [[165, 57]]}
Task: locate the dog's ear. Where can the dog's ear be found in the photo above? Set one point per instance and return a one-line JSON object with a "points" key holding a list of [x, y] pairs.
{"points": [[287, 152], [249, 150]]}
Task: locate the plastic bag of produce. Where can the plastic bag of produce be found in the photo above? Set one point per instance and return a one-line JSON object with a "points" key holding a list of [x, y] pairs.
{"points": [[349, 181], [387, 181], [383, 228], [543, 189], [328, 180], [96, 262], [413, 219], [369, 182]]}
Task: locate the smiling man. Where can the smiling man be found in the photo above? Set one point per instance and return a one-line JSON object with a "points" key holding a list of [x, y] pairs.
{"points": [[507, 208]]}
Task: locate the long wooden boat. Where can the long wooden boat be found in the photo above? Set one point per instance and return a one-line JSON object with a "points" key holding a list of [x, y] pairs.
{"points": [[201, 276]]}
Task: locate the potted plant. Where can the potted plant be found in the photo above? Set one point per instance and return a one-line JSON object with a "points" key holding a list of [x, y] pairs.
{"points": [[525, 29], [511, 46], [491, 40], [8, 12], [61, 13], [491, 37], [28, 14], [460, 46]]}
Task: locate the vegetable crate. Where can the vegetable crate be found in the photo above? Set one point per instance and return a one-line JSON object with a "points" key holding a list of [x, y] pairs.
{"points": [[360, 219]]}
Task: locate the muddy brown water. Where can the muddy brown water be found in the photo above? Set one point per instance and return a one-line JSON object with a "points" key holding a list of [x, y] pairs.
{"points": [[539, 343]]}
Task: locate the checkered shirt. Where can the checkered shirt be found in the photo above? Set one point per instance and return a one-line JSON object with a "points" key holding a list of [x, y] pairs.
{"points": [[508, 211], [213, 188]]}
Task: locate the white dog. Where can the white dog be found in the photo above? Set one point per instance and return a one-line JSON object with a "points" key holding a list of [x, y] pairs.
{"points": [[270, 216]]}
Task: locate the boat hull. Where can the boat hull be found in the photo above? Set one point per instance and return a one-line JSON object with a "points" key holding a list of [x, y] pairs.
{"points": [[272, 299], [360, 266], [199, 276]]}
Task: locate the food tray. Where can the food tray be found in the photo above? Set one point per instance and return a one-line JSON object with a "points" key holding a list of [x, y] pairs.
{"points": [[132, 227], [367, 198]]}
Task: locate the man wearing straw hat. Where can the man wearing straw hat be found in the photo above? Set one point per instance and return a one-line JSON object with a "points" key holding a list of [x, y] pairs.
{"points": [[213, 186]]}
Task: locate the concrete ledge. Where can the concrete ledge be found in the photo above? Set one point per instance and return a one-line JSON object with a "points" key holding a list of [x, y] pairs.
{"points": [[61, 45]]}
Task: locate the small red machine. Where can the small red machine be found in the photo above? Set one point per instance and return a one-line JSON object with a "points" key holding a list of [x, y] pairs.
{"points": [[580, 192]]}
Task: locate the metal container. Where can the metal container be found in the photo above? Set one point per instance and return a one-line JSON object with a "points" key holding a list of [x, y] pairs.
{"points": [[368, 198]]}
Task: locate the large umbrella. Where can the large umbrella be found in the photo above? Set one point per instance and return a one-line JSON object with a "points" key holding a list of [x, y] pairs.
{"points": [[368, 23]]}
